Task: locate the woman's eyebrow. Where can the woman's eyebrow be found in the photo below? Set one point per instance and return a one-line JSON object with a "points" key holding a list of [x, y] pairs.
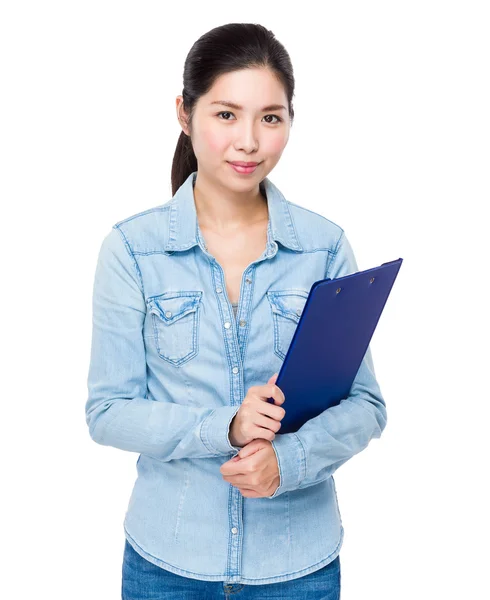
{"points": [[238, 107]]}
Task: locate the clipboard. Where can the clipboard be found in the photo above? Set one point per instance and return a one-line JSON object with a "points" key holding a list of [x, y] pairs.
{"points": [[331, 340]]}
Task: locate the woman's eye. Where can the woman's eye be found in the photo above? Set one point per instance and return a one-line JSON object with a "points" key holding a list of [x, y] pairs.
{"points": [[275, 117], [227, 112]]}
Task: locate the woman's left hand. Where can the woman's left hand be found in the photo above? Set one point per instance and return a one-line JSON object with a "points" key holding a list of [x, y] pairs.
{"points": [[254, 471]]}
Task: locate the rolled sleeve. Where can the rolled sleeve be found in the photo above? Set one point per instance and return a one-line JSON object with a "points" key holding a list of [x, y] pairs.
{"points": [[215, 430], [291, 459]]}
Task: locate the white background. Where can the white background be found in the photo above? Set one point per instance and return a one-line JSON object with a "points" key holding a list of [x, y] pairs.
{"points": [[390, 141]]}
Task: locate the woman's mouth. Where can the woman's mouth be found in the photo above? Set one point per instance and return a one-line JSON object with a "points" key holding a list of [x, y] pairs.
{"points": [[244, 170]]}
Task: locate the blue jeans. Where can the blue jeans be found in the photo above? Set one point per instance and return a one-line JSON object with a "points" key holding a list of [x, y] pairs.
{"points": [[142, 580]]}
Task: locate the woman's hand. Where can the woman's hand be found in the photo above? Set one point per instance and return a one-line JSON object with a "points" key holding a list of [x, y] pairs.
{"points": [[256, 418], [255, 471]]}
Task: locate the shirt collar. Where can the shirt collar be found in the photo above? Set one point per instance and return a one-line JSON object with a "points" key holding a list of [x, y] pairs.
{"points": [[184, 232]]}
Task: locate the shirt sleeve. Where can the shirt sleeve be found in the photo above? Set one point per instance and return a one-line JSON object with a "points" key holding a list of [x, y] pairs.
{"points": [[118, 411], [324, 443]]}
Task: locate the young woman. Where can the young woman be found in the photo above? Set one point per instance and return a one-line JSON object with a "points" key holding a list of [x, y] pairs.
{"points": [[195, 303]]}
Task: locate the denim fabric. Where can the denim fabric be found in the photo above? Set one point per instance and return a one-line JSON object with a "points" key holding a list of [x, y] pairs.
{"points": [[170, 365], [142, 580]]}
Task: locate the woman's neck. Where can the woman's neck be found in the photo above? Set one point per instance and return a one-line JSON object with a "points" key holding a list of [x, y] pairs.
{"points": [[222, 210]]}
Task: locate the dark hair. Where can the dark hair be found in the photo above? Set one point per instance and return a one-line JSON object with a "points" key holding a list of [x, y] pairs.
{"points": [[226, 48]]}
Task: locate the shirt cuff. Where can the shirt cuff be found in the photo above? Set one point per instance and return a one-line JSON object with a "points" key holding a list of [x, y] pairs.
{"points": [[291, 458], [215, 430]]}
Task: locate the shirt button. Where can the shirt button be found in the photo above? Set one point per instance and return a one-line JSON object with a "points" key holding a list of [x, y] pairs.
{"points": [[168, 314], [234, 530], [248, 280], [227, 324], [219, 290], [235, 369], [242, 323], [298, 312]]}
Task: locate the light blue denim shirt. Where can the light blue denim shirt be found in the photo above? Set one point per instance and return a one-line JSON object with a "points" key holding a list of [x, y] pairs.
{"points": [[169, 366]]}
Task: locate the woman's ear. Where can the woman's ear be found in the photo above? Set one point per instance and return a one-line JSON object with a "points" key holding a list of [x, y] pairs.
{"points": [[181, 115]]}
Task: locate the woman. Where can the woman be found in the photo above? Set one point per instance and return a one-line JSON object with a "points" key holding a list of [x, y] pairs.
{"points": [[195, 303]]}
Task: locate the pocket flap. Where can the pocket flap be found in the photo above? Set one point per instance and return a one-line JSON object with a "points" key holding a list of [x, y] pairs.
{"points": [[288, 303], [171, 306]]}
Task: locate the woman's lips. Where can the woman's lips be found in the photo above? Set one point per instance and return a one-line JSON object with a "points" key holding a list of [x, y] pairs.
{"points": [[244, 170]]}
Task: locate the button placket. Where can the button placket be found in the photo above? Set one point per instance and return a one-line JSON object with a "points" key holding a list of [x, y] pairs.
{"points": [[234, 346], [233, 358], [245, 295], [243, 322]]}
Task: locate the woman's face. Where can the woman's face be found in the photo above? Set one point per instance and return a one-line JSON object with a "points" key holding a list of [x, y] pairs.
{"points": [[222, 134]]}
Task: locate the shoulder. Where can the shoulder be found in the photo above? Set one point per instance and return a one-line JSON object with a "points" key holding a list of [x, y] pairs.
{"points": [[314, 231], [146, 231]]}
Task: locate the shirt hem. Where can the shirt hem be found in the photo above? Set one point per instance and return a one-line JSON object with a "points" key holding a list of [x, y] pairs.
{"points": [[235, 578]]}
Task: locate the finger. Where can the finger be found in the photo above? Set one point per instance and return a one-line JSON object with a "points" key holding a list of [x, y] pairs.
{"points": [[268, 409], [227, 468], [233, 468], [271, 390], [249, 493], [238, 480], [267, 423], [273, 379], [226, 465], [250, 449]]}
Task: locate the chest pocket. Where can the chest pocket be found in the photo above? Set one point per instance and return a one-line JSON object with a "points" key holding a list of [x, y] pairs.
{"points": [[175, 320], [287, 307]]}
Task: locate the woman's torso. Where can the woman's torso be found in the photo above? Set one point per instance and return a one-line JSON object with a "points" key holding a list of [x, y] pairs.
{"points": [[194, 359]]}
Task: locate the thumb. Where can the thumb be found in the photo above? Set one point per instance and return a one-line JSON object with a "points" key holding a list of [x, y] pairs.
{"points": [[251, 448], [246, 451], [273, 379]]}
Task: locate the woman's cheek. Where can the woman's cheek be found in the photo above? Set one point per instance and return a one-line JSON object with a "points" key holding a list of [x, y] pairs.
{"points": [[214, 141]]}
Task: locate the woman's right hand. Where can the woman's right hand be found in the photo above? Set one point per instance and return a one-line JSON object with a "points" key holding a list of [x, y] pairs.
{"points": [[257, 418]]}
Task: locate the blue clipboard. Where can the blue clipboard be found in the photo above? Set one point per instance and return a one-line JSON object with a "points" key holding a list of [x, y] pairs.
{"points": [[331, 340]]}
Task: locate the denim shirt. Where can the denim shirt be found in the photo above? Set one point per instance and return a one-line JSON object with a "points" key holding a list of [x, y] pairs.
{"points": [[169, 366]]}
